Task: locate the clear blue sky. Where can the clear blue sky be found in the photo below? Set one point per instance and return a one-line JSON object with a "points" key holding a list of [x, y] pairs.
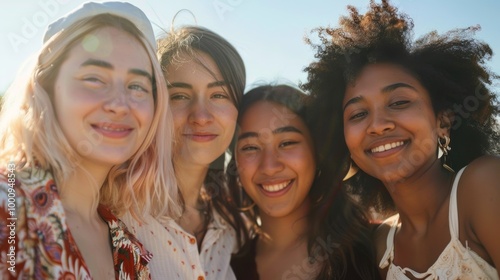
{"points": [[268, 34]]}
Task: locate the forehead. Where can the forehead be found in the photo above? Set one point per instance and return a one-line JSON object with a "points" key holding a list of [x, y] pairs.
{"points": [[269, 115], [382, 73], [193, 66], [376, 78], [111, 44]]}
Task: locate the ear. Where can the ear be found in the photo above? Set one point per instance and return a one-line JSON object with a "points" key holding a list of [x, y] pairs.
{"points": [[444, 121]]}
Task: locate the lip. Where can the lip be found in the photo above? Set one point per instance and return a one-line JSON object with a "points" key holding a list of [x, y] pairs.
{"points": [[276, 184], [387, 147], [200, 136], [113, 130]]}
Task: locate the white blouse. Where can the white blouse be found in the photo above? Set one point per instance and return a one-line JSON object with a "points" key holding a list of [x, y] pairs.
{"points": [[455, 262], [175, 252]]}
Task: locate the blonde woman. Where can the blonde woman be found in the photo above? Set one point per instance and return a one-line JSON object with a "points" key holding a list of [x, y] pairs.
{"points": [[83, 138]]}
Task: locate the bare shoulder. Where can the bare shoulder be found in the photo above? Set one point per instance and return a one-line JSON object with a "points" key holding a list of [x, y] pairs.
{"points": [[481, 177], [479, 205], [484, 166]]}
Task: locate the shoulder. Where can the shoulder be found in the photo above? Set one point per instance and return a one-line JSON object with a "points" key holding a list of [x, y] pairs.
{"points": [[483, 168], [485, 165], [480, 179], [478, 206], [479, 187]]}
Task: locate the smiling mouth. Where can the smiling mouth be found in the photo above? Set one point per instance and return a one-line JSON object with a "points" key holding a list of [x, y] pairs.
{"points": [[276, 187], [386, 147], [112, 129]]}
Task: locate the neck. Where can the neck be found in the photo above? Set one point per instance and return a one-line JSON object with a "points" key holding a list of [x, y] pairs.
{"points": [[419, 201], [81, 191], [287, 231], [190, 178]]}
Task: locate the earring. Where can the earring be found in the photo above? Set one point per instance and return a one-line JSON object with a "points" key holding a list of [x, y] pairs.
{"points": [[353, 169], [443, 148]]}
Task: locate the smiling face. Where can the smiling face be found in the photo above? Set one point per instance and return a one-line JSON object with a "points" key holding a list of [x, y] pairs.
{"points": [[390, 127], [103, 97], [275, 158], [204, 114]]}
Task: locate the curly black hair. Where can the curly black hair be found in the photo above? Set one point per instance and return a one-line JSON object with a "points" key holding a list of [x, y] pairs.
{"points": [[451, 66]]}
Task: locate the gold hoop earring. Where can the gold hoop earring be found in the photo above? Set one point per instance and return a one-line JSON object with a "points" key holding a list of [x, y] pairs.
{"points": [[443, 148], [247, 208], [353, 169]]}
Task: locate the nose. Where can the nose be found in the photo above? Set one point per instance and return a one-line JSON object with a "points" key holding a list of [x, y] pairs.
{"points": [[200, 113], [270, 162], [380, 123], [117, 104]]}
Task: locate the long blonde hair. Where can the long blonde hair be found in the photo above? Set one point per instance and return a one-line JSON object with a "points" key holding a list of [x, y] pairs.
{"points": [[30, 134]]}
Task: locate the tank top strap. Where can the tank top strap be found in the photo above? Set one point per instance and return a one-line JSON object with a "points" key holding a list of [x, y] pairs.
{"points": [[389, 250], [453, 211]]}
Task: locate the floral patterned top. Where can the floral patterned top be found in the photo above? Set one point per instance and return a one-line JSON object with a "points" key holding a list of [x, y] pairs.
{"points": [[176, 251], [35, 241]]}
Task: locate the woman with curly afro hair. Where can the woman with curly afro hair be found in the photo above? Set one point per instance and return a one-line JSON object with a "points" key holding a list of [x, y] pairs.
{"points": [[419, 122]]}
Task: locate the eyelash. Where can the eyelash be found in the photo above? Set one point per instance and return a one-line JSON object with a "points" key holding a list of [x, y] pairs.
{"points": [[92, 79], [283, 144], [249, 148], [287, 143], [140, 88], [220, 96], [178, 96], [357, 116], [134, 87], [399, 103]]}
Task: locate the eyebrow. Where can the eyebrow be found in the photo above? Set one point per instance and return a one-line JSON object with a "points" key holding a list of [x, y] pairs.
{"points": [[386, 89], [189, 86], [107, 65], [278, 130]]}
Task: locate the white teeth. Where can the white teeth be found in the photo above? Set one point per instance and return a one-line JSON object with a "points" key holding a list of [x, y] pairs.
{"points": [[275, 188], [383, 148], [112, 128]]}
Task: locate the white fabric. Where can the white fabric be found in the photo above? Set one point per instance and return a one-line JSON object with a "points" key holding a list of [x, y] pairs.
{"points": [[175, 252], [91, 9], [455, 261]]}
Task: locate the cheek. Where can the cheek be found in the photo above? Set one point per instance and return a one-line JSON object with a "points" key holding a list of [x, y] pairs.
{"points": [[68, 110], [307, 167], [227, 117], [246, 167], [145, 112], [352, 137], [179, 117]]}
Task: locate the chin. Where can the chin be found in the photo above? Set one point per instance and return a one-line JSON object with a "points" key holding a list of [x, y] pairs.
{"points": [[109, 158]]}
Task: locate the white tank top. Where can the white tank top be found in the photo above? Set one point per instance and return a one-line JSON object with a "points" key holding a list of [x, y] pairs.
{"points": [[455, 262]]}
